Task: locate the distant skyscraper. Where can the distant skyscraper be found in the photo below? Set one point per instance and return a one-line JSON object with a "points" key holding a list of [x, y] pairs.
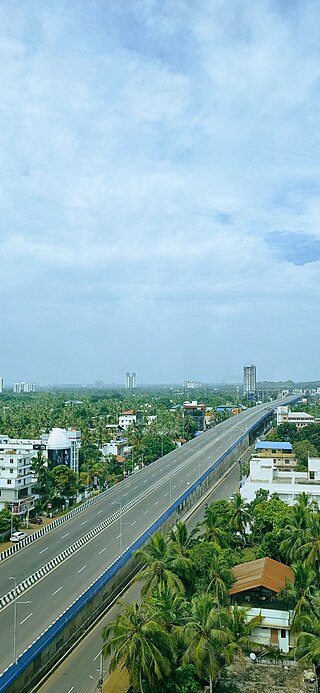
{"points": [[249, 379], [131, 381], [1, 386]]}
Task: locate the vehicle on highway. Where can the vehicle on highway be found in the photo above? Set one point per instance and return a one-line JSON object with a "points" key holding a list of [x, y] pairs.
{"points": [[18, 536]]}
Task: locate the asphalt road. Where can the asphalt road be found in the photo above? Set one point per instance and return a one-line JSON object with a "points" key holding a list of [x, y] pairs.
{"points": [[79, 673], [148, 492]]}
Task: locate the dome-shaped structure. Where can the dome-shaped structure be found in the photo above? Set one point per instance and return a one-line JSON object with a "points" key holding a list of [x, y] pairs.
{"points": [[58, 440]]}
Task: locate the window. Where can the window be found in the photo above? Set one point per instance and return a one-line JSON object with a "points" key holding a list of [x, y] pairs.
{"points": [[8, 481], [283, 633], [311, 475], [11, 471], [11, 460]]}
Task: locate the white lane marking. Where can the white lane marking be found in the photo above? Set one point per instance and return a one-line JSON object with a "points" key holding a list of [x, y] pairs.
{"points": [[99, 511], [146, 511], [119, 535], [56, 592], [43, 550], [133, 523], [71, 689], [134, 488], [85, 521], [125, 494], [102, 550], [188, 475], [113, 502], [26, 618], [165, 495], [81, 569], [154, 474], [145, 481], [174, 487], [156, 503], [65, 535]]}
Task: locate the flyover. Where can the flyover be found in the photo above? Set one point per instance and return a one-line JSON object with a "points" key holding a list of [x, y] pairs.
{"points": [[131, 508]]}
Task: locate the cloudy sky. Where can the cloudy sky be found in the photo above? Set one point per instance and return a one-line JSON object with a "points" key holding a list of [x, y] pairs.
{"points": [[159, 189]]}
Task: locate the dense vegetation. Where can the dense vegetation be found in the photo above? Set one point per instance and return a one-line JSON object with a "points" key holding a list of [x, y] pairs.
{"points": [[183, 631]]}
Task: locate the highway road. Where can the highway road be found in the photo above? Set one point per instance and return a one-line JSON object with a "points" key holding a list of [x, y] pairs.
{"points": [[148, 493], [74, 674]]}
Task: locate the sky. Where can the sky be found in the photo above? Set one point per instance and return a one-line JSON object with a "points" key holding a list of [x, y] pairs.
{"points": [[159, 190]]}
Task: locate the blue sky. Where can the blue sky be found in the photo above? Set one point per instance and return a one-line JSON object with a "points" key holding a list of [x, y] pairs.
{"points": [[159, 189]]}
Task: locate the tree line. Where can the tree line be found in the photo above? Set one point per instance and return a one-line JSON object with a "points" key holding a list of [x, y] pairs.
{"points": [[183, 632]]}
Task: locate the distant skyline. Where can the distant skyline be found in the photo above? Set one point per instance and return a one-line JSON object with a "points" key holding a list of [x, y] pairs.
{"points": [[159, 190]]}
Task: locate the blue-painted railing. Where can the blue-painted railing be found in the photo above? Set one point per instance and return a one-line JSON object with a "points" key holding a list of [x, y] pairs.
{"points": [[15, 670]]}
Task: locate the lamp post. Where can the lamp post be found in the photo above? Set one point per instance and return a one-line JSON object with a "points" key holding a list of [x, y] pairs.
{"points": [[120, 524], [15, 605]]}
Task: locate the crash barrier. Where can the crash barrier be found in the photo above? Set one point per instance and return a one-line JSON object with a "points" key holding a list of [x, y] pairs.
{"points": [[76, 546], [44, 530], [40, 656]]}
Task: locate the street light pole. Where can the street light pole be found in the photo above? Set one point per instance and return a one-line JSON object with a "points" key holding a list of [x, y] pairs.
{"points": [[15, 606], [14, 620], [120, 523]]}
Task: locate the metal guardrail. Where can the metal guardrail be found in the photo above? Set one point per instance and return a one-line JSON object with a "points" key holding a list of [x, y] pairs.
{"points": [[59, 521]]}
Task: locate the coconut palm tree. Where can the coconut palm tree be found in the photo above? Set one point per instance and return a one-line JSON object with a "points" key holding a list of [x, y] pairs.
{"points": [[215, 530], [240, 515], [302, 592], [294, 532], [239, 627], [307, 627], [169, 608], [309, 544], [221, 579], [162, 566], [181, 540], [205, 638], [139, 643]]}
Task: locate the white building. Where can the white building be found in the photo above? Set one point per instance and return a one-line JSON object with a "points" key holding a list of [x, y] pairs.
{"points": [[298, 418], [23, 387], [249, 379], [287, 484], [131, 381], [126, 419], [16, 479]]}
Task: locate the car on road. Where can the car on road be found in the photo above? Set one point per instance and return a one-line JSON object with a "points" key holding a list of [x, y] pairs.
{"points": [[36, 520], [18, 536]]}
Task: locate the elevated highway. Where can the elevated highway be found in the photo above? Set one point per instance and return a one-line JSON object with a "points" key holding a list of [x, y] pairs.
{"points": [[131, 508]]}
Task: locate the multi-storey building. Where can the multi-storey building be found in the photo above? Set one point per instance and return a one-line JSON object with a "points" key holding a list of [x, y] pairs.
{"points": [[16, 478], [16, 454], [23, 387], [249, 379], [281, 453], [298, 418], [288, 485], [197, 412], [131, 381]]}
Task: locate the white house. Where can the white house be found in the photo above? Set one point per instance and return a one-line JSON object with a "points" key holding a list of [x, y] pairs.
{"points": [[287, 484], [126, 419]]}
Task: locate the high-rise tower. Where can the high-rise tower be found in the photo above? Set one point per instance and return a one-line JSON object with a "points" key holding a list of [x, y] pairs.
{"points": [[249, 379]]}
